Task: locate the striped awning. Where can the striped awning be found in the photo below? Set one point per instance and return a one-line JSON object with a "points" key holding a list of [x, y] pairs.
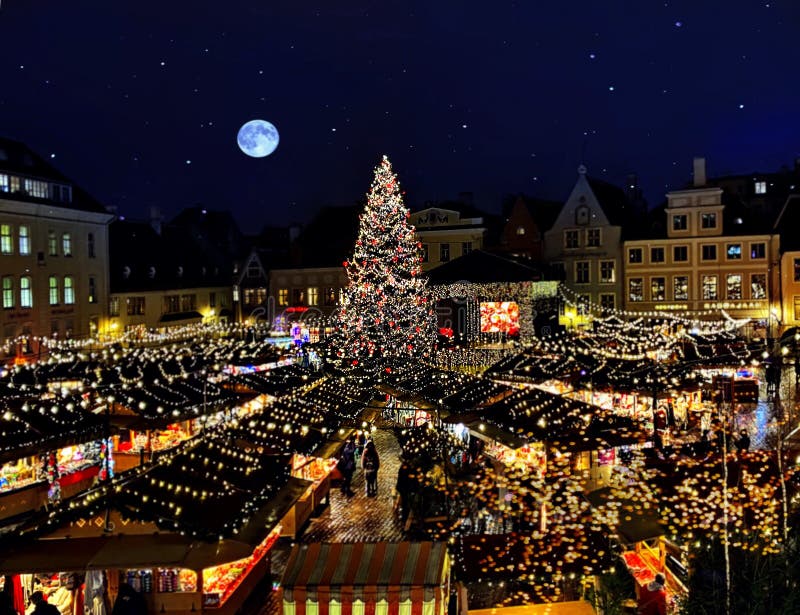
{"points": [[369, 578]]}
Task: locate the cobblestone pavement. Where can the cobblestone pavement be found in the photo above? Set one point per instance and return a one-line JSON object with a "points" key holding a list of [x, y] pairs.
{"points": [[357, 518]]}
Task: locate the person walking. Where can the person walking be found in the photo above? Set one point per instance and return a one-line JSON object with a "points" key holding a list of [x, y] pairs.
{"points": [[370, 464], [347, 465], [405, 489]]}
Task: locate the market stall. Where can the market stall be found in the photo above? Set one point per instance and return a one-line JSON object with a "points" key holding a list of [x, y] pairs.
{"points": [[378, 578]]}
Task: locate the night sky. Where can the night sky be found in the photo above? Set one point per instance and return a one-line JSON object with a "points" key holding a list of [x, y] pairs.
{"points": [[140, 102]]}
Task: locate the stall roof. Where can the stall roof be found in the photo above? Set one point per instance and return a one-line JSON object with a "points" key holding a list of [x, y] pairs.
{"points": [[401, 564]]}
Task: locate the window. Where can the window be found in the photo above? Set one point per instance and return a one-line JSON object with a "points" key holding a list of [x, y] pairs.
{"points": [[424, 252], [135, 306], [25, 292], [734, 286], [69, 290], [708, 221], [709, 252], [3, 182], [444, 252], [8, 292], [329, 296], [680, 222], [466, 247], [37, 188], [758, 250], [582, 272], [520, 230], [188, 303], [92, 289], [680, 254], [607, 273], [582, 304], [758, 286], [172, 304], [734, 251], [24, 240], [761, 187], [52, 243], [90, 245], [53, 287], [797, 307], [797, 270], [253, 270], [607, 301], [635, 255], [283, 296], [656, 255], [66, 244], [582, 214], [658, 289], [55, 328], [6, 239], [62, 193], [212, 299], [709, 284], [570, 240], [313, 295], [113, 306], [680, 288], [635, 290], [593, 237], [298, 296]]}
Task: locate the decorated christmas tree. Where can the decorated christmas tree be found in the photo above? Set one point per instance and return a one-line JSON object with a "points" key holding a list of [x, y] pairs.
{"points": [[386, 309]]}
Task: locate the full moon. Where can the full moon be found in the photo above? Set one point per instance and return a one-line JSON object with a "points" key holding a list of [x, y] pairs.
{"points": [[257, 138]]}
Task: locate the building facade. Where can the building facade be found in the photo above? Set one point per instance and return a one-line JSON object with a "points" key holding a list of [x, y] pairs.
{"points": [[709, 261], [585, 242], [308, 294], [53, 254], [445, 235]]}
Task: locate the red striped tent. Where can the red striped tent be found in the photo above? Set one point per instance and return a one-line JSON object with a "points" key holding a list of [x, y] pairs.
{"points": [[382, 578]]}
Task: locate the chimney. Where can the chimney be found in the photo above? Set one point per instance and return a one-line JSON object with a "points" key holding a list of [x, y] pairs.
{"points": [[699, 172], [156, 219]]}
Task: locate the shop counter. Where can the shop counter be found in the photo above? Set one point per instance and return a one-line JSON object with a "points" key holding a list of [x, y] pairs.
{"points": [[297, 516], [27, 498]]}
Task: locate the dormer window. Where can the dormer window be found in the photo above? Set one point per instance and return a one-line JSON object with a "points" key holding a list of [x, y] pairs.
{"points": [[582, 215], [708, 221], [679, 222], [761, 187], [520, 230]]}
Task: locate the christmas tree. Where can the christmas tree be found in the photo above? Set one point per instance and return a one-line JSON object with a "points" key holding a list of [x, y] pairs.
{"points": [[386, 309]]}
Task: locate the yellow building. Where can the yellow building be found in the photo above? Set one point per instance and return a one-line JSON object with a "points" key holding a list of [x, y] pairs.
{"points": [[787, 225], [712, 260], [53, 253], [445, 235]]}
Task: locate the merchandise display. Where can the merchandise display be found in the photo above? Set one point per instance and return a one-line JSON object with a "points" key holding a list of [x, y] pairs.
{"points": [[21, 473], [311, 468]]}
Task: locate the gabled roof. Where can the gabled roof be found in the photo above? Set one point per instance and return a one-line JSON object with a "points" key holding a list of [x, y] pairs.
{"points": [[18, 159], [480, 266], [613, 200]]}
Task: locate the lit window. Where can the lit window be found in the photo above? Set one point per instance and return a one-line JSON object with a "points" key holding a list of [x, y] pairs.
{"points": [[66, 244], [734, 286], [658, 289], [635, 290], [6, 239], [113, 306], [69, 290], [797, 270], [734, 251], [520, 230], [680, 290], [761, 187], [329, 296], [25, 292], [709, 284], [52, 243], [53, 286], [283, 296], [8, 292], [4, 186], [313, 295], [37, 188], [92, 290], [758, 286], [424, 256], [24, 240]]}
